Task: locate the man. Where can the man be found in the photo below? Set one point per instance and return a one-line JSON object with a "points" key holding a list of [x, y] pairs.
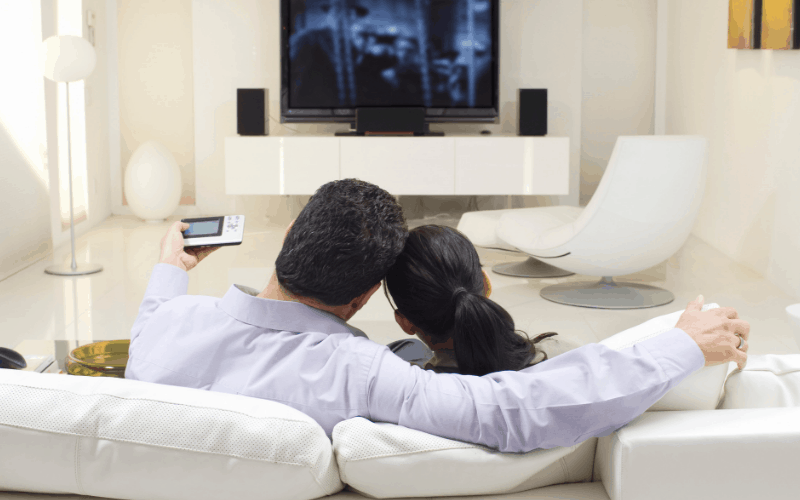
{"points": [[291, 343]]}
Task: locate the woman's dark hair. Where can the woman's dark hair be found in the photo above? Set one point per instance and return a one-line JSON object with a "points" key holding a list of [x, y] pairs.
{"points": [[342, 243], [437, 284]]}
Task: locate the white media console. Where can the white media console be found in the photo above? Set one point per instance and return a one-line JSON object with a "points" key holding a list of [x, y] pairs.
{"points": [[450, 165]]}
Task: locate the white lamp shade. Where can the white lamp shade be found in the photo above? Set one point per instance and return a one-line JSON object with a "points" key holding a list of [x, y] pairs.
{"points": [[67, 58]]}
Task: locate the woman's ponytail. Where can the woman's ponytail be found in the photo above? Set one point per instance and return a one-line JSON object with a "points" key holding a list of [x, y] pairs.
{"points": [[484, 338], [438, 286]]}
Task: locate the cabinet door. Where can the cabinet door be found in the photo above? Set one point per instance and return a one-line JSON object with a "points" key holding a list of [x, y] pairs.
{"points": [[307, 163], [401, 165], [512, 165]]}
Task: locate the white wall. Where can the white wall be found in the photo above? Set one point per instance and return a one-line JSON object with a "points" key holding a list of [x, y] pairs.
{"points": [[24, 190], [236, 44], [619, 47], [747, 103], [155, 81], [97, 131]]}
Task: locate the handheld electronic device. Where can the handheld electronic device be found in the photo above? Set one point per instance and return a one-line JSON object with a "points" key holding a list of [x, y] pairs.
{"points": [[214, 231]]}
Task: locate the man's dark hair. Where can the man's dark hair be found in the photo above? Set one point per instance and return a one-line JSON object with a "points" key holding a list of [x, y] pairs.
{"points": [[342, 243]]}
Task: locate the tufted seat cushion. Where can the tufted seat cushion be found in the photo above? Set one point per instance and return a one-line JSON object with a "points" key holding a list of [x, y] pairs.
{"points": [[133, 440]]}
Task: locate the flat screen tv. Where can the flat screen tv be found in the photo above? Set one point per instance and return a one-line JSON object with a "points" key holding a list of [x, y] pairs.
{"points": [[339, 55]]}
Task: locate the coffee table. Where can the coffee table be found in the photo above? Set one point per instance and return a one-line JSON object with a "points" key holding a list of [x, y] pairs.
{"points": [[48, 356]]}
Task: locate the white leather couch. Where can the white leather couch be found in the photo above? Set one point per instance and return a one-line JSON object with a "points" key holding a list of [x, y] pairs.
{"points": [[716, 435]]}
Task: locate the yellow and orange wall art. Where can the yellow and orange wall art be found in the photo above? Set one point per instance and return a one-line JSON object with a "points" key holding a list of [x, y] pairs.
{"points": [[763, 24]]}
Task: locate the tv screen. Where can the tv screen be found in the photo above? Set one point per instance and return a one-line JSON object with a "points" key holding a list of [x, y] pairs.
{"points": [[339, 55]]}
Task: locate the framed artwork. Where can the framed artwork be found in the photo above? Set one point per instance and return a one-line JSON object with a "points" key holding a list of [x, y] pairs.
{"points": [[741, 25], [763, 24], [777, 24]]}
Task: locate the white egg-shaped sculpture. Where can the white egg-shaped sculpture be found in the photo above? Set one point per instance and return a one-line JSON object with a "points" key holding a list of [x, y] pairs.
{"points": [[153, 182]]}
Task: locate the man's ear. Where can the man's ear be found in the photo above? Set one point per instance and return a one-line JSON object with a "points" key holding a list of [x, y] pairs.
{"points": [[287, 230], [405, 324], [357, 303]]}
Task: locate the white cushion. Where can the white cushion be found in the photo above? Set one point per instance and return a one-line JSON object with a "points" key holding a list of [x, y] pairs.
{"points": [[702, 390], [768, 381], [126, 439], [389, 461], [747, 454], [523, 227], [483, 227], [480, 227]]}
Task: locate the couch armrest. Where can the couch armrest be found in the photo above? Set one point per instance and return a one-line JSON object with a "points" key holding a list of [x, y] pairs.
{"points": [[731, 454]]}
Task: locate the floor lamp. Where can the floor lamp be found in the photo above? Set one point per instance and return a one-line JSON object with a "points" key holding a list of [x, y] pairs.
{"points": [[69, 59]]}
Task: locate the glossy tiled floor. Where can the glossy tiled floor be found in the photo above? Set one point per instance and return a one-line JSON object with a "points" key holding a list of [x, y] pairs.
{"points": [[35, 305]]}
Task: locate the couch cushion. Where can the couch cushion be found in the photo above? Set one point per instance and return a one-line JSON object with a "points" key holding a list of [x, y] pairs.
{"points": [[126, 439], [389, 461], [702, 390], [767, 381]]}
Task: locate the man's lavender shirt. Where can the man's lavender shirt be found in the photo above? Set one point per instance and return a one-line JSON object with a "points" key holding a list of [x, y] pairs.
{"points": [[312, 361]]}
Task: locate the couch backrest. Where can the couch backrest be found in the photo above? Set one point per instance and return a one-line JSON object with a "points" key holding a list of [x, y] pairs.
{"points": [[134, 440]]}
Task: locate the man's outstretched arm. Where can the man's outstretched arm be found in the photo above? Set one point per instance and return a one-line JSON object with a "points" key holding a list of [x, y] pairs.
{"points": [[169, 279], [166, 283], [589, 391]]}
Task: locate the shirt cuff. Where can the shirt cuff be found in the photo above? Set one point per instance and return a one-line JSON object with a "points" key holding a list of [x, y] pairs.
{"points": [[676, 352], [168, 281]]}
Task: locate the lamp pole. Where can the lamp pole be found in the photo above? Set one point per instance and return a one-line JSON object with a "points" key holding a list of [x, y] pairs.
{"points": [[69, 58]]}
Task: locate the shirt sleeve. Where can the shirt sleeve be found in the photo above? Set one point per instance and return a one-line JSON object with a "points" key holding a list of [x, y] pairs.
{"points": [[166, 282], [587, 392]]}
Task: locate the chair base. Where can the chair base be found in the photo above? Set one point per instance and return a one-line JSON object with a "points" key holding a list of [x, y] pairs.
{"points": [[607, 294], [530, 268]]}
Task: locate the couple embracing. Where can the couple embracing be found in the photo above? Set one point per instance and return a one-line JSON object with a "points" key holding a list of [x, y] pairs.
{"points": [[468, 375]]}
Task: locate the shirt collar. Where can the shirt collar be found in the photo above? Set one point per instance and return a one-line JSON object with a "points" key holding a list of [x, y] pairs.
{"points": [[240, 303]]}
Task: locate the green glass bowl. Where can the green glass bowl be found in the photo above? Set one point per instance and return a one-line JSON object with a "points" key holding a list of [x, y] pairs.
{"points": [[101, 359]]}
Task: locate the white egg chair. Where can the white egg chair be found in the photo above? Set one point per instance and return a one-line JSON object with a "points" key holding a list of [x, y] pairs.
{"points": [[641, 214]]}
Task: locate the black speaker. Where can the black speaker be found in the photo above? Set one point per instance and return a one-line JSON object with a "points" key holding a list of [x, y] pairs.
{"points": [[390, 121], [532, 111], [251, 112]]}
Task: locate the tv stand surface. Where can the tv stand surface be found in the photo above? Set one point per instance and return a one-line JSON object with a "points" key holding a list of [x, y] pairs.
{"points": [[452, 165], [353, 133]]}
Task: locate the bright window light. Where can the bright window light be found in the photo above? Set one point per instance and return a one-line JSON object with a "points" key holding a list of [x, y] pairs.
{"points": [[22, 111], [70, 22]]}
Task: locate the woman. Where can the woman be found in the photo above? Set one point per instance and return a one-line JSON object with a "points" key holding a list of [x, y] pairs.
{"points": [[442, 296]]}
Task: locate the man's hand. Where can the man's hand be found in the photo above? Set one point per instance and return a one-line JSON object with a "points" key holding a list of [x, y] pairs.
{"points": [[717, 332], [173, 252]]}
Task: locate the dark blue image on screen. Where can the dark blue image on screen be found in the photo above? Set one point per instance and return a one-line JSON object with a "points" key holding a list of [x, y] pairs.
{"points": [[357, 53]]}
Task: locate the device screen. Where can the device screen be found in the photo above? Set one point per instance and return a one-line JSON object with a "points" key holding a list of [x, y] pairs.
{"points": [[204, 228]]}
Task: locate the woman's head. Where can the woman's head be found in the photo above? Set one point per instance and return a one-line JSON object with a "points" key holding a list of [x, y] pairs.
{"points": [[440, 291]]}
